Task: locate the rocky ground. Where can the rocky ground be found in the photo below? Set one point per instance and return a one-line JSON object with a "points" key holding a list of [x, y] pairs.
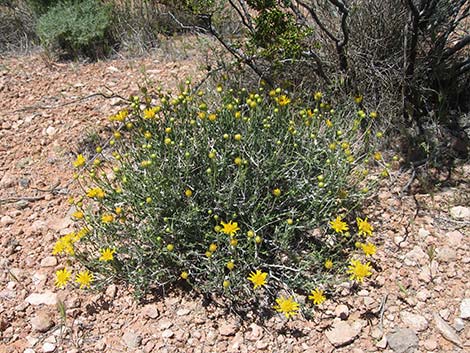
{"points": [[417, 301]]}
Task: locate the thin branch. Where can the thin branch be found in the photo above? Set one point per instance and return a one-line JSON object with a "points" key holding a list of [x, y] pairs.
{"points": [[463, 42], [245, 17], [312, 13]]}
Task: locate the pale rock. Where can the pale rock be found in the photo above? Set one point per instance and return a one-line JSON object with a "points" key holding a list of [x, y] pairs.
{"points": [[51, 131], [149, 347], [228, 329], [416, 256], [465, 309], [132, 339], [7, 182], [168, 333], [37, 226], [423, 295], [112, 69], [59, 224], [423, 233], [430, 344], [255, 334], [46, 298], [262, 345], [377, 333], [445, 314], [111, 291], [29, 350], [403, 340], [447, 331], [150, 311], [342, 311], [459, 324], [6, 220], [460, 213], [41, 322], [446, 254], [116, 101], [382, 343], [341, 333], [183, 312], [414, 321], [49, 261], [454, 239], [369, 302], [48, 347], [165, 324]]}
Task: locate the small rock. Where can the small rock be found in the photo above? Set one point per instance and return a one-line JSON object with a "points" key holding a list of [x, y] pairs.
{"points": [[262, 345], [24, 182], [255, 334], [46, 298], [116, 101], [423, 233], [111, 291], [447, 331], [459, 324], [21, 205], [342, 311], [29, 350], [430, 344], [165, 324], [416, 256], [465, 309], [382, 343], [132, 339], [228, 329], [341, 333], [6, 220], [403, 340], [42, 322], [446, 254], [168, 333], [423, 295], [414, 321], [454, 238], [460, 212], [51, 131], [183, 312], [49, 261], [48, 347], [445, 314], [150, 311]]}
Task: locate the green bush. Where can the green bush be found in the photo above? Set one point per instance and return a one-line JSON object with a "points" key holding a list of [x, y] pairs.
{"points": [[251, 185], [76, 29]]}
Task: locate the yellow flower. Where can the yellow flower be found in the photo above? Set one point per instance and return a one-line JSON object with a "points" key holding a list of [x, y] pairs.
{"points": [[318, 96], [64, 245], [369, 249], [377, 156], [358, 270], [283, 100], [212, 247], [287, 306], [80, 161], [184, 275], [62, 277], [338, 225], [212, 117], [170, 247], [96, 193], [328, 264], [230, 265], [317, 296], [226, 284], [229, 228], [233, 242], [107, 218], [358, 99], [328, 123], [188, 193], [250, 234], [373, 115], [277, 192], [238, 161], [364, 227], [237, 137], [84, 278], [258, 278], [107, 254], [167, 141], [77, 215], [149, 113]]}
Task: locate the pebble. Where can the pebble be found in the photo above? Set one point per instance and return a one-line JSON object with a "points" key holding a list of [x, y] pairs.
{"points": [[416, 256], [255, 334], [183, 312], [446, 254], [465, 309], [228, 329], [6, 220], [168, 333], [342, 311], [165, 324], [430, 344], [51, 131], [460, 212], [382, 343], [262, 345], [132, 339], [21, 204], [454, 238], [49, 261], [403, 340], [447, 331], [459, 324], [41, 322], [414, 321], [46, 298], [111, 291], [48, 347], [29, 350], [342, 333], [150, 311]]}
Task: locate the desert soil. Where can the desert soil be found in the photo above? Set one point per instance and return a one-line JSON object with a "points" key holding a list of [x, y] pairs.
{"points": [[418, 299]]}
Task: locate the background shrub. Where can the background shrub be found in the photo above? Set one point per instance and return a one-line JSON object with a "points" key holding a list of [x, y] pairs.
{"points": [[184, 166], [79, 28]]}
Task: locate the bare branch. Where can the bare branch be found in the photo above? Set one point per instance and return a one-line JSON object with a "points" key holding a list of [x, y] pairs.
{"points": [[462, 43], [313, 14]]}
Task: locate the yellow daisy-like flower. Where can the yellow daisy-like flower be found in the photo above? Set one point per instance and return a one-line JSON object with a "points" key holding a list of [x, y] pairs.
{"points": [[80, 161], [338, 225], [188, 192], [358, 270], [328, 264], [107, 218], [258, 278], [277, 192], [212, 247], [230, 265], [184, 275], [369, 249], [77, 215], [64, 245], [62, 277], [358, 99], [364, 227], [377, 156], [238, 161], [283, 100], [317, 296], [84, 279], [318, 96], [287, 306], [97, 193], [107, 254], [229, 228]]}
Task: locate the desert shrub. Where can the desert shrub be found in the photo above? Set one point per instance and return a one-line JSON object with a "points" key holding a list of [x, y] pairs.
{"points": [[78, 28], [16, 26], [212, 191]]}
